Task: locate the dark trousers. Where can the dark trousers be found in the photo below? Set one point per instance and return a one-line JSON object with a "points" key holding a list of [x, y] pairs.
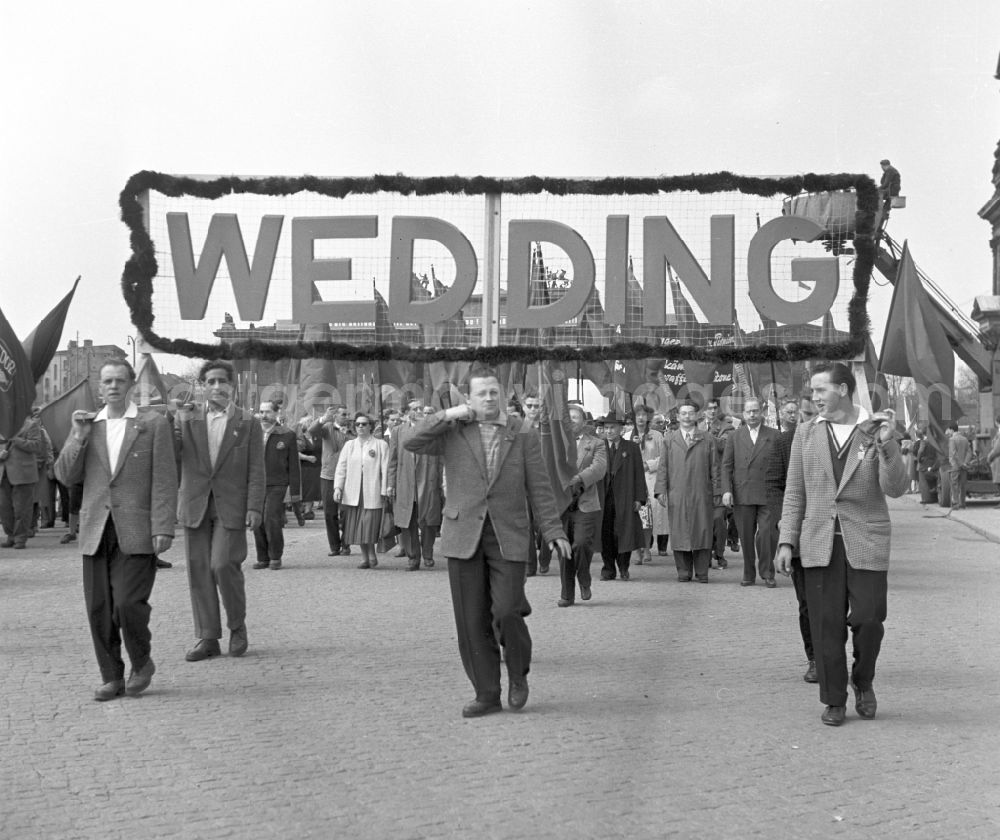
{"points": [[215, 556], [697, 560], [487, 593], [758, 539], [331, 515], [417, 540], [613, 562], [661, 543], [720, 530], [116, 590], [581, 529], [799, 582], [837, 596], [928, 484], [16, 503], [269, 536]]}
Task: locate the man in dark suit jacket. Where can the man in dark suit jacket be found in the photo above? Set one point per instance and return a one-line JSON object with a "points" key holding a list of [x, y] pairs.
{"points": [[125, 462], [624, 493], [18, 477], [334, 429], [221, 495], [492, 464], [744, 464], [582, 520], [281, 471]]}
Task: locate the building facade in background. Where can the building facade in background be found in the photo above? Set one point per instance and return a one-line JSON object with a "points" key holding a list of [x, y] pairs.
{"points": [[80, 360]]}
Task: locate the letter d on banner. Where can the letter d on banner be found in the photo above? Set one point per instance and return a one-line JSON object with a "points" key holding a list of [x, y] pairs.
{"points": [[402, 308], [521, 235]]}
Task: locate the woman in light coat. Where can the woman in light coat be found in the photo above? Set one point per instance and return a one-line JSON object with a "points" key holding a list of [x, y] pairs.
{"points": [[360, 487]]}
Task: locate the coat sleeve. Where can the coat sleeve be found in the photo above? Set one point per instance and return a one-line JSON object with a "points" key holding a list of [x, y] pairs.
{"points": [[383, 454], [728, 464], [340, 475], [662, 485], [598, 467], [541, 499], [794, 503], [69, 464], [392, 463], [639, 477], [428, 435], [163, 496], [294, 471], [256, 481], [892, 475]]}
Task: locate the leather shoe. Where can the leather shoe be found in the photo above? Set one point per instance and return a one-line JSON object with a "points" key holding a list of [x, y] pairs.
{"points": [[478, 708], [261, 565], [865, 703], [624, 575], [110, 690], [833, 715], [275, 565], [564, 602], [429, 562], [138, 681], [345, 551], [585, 593], [543, 570], [746, 583], [701, 578], [810, 676], [517, 693], [205, 649], [364, 565], [414, 566], [163, 564], [606, 576], [238, 640], [681, 579], [770, 583], [10, 544]]}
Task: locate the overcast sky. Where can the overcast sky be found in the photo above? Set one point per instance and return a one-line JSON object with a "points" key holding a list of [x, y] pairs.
{"points": [[95, 92]]}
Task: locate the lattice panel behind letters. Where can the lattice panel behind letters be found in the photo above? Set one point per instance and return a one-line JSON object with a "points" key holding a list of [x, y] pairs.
{"points": [[611, 316]]}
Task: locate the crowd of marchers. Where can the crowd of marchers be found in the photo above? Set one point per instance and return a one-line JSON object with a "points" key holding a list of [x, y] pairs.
{"points": [[500, 489]]}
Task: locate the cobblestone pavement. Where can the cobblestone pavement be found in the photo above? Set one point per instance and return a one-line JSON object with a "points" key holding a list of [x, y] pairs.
{"points": [[658, 709]]}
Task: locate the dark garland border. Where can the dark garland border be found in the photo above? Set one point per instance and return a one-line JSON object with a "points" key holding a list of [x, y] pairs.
{"points": [[141, 268]]}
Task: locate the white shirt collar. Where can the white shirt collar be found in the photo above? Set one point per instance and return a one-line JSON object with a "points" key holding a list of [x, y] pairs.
{"points": [[131, 411], [862, 416]]}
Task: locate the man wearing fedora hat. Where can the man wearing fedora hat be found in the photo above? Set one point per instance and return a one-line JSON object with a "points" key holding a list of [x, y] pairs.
{"points": [[625, 493]]}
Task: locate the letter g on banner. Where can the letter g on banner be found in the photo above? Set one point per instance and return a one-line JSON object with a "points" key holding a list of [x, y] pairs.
{"points": [[824, 271]]}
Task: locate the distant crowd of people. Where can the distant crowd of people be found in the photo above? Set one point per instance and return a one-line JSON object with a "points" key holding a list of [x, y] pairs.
{"points": [[497, 488]]}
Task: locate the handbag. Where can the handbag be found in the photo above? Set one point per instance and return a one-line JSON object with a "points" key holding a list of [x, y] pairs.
{"points": [[388, 531]]}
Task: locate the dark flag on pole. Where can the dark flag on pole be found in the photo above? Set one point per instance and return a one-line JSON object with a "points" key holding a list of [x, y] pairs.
{"points": [[57, 416], [44, 340], [915, 345], [17, 385]]}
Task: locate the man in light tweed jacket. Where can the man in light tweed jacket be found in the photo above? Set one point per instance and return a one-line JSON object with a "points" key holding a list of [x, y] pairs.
{"points": [[841, 468]]}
